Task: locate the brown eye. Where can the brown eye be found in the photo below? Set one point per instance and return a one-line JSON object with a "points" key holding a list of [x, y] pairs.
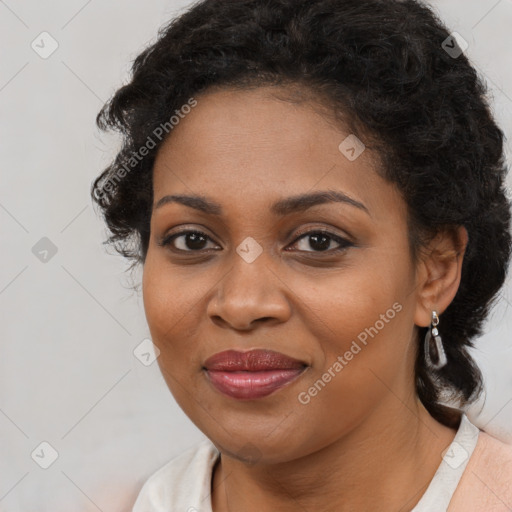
{"points": [[188, 241], [312, 241], [320, 241]]}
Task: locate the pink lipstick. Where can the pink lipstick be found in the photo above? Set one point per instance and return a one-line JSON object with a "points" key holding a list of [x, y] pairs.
{"points": [[253, 374]]}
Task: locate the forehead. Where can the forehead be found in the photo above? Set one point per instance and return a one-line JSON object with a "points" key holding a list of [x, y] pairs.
{"points": [[251, 145]]}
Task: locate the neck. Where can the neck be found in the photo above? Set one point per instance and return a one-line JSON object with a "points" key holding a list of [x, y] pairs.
{"points": [[385, 463]]}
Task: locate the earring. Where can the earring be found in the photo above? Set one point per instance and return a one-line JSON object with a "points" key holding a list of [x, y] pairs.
{"points": [[433, 341]]}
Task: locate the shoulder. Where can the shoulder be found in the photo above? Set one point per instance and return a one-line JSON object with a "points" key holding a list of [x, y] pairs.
{"points": [[183, 483], [487, 480]]}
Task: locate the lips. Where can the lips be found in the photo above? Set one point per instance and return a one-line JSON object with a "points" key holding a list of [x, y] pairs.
{"points": [[253, 374], [252, 361]]}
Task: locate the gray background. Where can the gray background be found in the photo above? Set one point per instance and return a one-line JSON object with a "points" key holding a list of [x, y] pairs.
{"points": [[68, 375]]}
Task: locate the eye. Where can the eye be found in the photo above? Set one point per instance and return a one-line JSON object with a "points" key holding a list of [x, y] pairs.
{"points": [[188, 241], [320, 241], [195, 241]]}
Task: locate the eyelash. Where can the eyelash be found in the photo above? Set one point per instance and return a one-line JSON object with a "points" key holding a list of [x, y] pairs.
{"points": [[345, 244]]}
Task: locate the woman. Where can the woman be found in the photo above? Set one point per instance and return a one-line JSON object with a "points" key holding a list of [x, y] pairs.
{"points": [[315, 190]]}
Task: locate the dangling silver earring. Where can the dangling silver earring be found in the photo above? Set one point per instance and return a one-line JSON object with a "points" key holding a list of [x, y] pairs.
{"points": [[435, 355]]}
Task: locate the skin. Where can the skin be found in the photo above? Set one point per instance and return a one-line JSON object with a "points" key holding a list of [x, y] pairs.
{"points": [[365, 441]]}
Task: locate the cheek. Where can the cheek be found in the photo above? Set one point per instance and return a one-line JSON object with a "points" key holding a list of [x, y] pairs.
{"points": [[168, 305], [369, 331], [362, 320], [174, 303], [156, 300], [165, 302], [348, 302], [363, 357]]}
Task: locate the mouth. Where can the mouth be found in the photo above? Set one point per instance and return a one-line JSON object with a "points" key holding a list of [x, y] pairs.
{"points": [[253, 374]]}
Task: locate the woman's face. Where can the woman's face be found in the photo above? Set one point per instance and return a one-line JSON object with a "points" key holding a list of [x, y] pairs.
{"points": [[344, 304]]}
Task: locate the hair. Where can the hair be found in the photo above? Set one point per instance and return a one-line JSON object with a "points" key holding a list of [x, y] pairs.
{"points": [[380, 68]]}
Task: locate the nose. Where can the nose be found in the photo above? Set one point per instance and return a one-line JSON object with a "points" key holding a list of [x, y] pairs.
{"points": [[249, 294]]}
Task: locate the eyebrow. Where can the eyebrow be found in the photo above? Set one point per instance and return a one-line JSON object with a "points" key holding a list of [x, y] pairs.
{"points": [[282, 207]]}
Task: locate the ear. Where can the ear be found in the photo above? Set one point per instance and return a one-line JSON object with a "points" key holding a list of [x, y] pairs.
{"points": [[438, 273]]}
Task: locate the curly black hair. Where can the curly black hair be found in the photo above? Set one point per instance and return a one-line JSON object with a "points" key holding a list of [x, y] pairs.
{"points": [[384, 69]]}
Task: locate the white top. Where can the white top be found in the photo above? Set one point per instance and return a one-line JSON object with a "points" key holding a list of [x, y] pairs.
{"points": [[184, 483]]}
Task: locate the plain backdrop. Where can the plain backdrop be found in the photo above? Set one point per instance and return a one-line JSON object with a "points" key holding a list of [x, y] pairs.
{"points": [[70, 322]]}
